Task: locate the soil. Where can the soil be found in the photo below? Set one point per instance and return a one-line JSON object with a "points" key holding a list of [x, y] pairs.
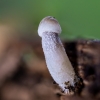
{"points": [[30, 79]]}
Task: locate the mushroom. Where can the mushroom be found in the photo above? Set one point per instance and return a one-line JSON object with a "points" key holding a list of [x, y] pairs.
{"points": [[56, 58]]}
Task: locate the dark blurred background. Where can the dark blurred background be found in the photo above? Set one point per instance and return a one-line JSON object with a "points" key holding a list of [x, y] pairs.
{"points": [[23, 72]]}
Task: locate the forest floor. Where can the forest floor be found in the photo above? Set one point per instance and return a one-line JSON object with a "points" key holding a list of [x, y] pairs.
{"points": [[24, 75]]}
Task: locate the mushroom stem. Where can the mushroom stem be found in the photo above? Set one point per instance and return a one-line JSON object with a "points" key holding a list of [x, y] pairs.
{"points": [[56, 58]]}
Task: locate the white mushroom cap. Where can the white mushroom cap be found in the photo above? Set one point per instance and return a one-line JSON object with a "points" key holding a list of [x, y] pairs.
{"points": [[49, 24]]}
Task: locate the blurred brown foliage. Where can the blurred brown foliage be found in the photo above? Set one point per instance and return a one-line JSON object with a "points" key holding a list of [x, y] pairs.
{"points": [[24, 75]]}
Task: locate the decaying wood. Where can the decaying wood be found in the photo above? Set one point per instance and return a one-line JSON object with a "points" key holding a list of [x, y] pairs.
{"points": [[85, 57]]}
